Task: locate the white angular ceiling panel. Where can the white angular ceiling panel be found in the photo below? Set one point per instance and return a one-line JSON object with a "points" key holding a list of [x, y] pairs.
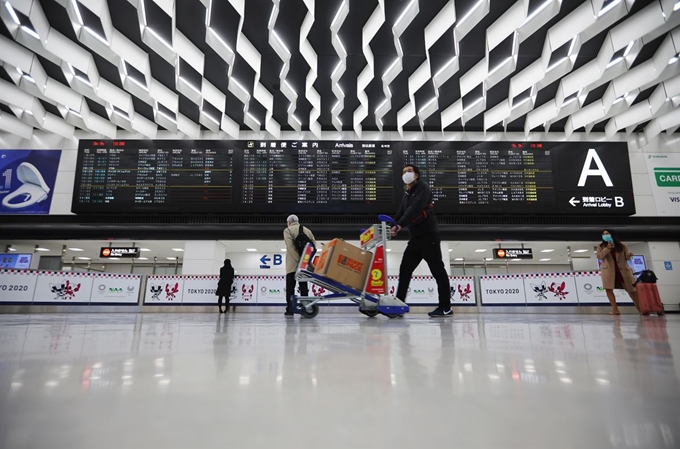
{"points": [[226, 66]]}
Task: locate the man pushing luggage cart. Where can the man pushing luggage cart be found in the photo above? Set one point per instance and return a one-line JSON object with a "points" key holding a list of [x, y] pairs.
{"points": [[359, 275]]}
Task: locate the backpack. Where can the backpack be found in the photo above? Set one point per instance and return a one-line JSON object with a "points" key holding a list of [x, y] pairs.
{"points": [[301, 241]]}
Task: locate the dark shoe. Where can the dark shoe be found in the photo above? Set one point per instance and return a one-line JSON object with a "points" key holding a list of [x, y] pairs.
{"points": [[289, 313], [439, 312]]}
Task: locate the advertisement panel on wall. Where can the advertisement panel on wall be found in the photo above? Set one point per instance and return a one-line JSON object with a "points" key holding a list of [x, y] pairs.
{"points": [[244, 290], [550, 288], [463, 290], [63, 287], [164, 290], [271, 290], [27, 180], [590, 291], [422, 290], [506, 289], [14, 260], [17, 285], [664, 176], [200, 290], [112, 288]]}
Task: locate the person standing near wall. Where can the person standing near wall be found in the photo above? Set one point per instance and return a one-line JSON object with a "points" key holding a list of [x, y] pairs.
{"points": [[293, 240], [417, 214], [616, 274], [224, 285]]}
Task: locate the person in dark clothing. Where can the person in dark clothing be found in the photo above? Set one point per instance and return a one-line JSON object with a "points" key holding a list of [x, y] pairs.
{"points": [[417, 214], [224, 285]]}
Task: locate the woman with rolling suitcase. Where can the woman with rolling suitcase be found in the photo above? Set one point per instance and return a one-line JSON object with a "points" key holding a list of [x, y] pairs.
{"points": [[616, 274]]}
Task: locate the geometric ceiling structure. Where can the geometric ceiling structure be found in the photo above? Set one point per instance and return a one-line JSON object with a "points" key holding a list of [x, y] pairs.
{"points": [[144, 66]]}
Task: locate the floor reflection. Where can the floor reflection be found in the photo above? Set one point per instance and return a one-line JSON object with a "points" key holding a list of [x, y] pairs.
{"points": [[251, 380]]}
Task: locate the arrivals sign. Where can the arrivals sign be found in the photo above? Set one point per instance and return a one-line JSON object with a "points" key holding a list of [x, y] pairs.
{"points": [[513, 253], [664, 176], [118, 252]]}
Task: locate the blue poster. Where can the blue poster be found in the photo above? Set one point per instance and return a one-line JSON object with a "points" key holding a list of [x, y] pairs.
{"points": [[27, 180], [17, 261]]}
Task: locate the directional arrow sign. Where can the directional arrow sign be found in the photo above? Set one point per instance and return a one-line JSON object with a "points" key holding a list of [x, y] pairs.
{"points": [[264, 259], [573, 201]]}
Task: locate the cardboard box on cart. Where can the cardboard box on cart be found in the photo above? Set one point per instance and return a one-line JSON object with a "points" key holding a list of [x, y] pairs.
{"points": [[344, 263]]}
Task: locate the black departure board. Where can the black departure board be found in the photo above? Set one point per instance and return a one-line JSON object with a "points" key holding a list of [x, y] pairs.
{"points": [[487, 177], [351, 177], [154, 176], [282, 176]]}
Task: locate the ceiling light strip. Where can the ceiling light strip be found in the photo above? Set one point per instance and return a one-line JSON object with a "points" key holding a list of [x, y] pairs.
{"points": [[284, 54], [368, 32], [340, 68], [311, 58], [400, 25]]}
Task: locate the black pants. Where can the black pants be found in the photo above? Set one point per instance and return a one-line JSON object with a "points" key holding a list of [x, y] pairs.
{"points": [[219, 300], [427, 247], [290, 289]]}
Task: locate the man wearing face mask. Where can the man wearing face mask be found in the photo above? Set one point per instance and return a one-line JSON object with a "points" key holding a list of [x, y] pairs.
{"points": [[417, 214]]}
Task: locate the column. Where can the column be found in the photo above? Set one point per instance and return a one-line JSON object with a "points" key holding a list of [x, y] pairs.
{"points": [[203, 257]]}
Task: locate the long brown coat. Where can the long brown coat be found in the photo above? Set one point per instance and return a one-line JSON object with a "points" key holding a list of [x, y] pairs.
{"points": [[608, 272]]}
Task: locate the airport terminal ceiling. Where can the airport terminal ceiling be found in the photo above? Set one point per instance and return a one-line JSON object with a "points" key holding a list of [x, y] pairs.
{"points": [[211, 69]]}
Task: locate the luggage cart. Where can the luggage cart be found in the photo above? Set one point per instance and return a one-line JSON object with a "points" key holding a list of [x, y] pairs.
{"points": [[370, 303]]}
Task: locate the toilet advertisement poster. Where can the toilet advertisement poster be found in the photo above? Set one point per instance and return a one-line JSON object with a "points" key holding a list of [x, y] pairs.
{"points": [[27, 180], [664, 177]]}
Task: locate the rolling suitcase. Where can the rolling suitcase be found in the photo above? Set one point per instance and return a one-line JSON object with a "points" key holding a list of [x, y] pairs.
{"points": [[650, 301]]}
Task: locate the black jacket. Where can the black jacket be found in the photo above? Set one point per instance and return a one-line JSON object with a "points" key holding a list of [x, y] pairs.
{"points": [[226, 279], [415, 201]]}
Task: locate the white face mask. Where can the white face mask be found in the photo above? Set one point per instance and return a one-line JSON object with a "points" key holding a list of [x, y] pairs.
{"points": [[408, 177]]}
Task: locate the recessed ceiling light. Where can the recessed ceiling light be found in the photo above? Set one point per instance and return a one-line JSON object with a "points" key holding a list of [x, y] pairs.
{"points": [[459, 258], [547, 250], [450, 250], [488, 258], [178, 249], [83, 258], [251, 250], [12, 249], [144, 249], [388, 250], [42, 249], [581, 251], [76, 249], [516, 260], [283, 250], [544, 260], [171, 258], [142, 258], [480, 250]]}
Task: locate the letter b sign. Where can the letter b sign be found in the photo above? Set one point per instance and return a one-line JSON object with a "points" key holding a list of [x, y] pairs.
{"points": [[278, 259]]}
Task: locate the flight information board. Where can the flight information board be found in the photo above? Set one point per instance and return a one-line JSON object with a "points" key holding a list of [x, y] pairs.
{"points": [[351, 177], [281, 176], [154, 176], [487, 177]]}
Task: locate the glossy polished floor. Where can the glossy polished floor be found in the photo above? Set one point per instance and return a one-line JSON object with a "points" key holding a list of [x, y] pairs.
{"points": [[339, 381]]}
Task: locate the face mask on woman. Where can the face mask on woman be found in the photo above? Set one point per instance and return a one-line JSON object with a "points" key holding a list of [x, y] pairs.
{"points": [[408, 177], [607, 238]]}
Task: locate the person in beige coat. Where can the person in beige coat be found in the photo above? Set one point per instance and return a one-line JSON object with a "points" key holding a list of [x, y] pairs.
{"points": [[616, 273], [293, 258]]}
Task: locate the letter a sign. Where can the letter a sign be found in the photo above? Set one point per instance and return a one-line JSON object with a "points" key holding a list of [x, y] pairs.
{"points": [[599, 171]]}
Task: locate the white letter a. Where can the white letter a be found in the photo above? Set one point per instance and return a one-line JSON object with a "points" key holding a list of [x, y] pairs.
{"points": [[600, 171]]}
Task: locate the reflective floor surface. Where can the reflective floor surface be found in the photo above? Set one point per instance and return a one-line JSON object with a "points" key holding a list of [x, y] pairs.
{"points": [[339, 381]]}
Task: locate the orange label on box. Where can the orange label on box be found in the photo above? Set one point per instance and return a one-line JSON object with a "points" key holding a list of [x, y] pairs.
{"points": [[352, 264]]}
